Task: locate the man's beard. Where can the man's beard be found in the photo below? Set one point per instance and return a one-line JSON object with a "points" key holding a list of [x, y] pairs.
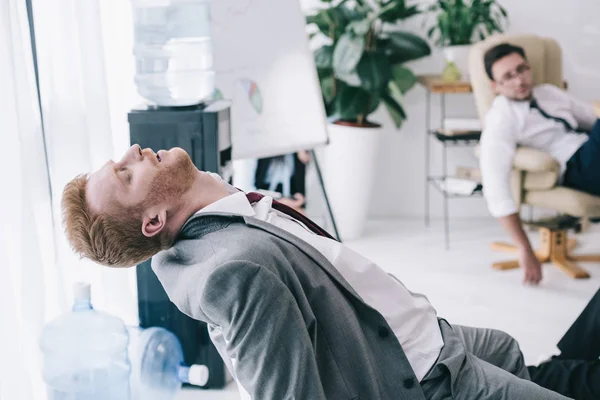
{"points": [[173, 181]]}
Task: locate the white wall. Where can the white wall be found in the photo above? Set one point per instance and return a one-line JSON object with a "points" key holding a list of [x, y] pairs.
{"points": [[400, 170], [400, 183]]}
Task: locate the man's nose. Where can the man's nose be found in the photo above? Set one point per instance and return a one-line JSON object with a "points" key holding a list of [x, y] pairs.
{"points": [[130, 153]]}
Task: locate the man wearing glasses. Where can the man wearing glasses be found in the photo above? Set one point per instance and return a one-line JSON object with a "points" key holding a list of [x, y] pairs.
{"points": [[543, 117]]}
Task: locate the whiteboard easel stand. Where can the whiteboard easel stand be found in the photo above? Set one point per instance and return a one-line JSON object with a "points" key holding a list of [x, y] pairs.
{"points": [[318, 168]]}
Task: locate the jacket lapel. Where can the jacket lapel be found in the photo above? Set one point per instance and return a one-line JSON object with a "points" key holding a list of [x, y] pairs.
{"points": [[310, 251]]}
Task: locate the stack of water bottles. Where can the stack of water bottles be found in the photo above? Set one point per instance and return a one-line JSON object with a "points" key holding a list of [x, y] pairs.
{"points": [[88, 355], [173, 51]]}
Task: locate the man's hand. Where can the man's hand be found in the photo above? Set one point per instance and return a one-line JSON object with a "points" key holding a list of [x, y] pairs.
{"points": [[304, 156], [531, 265], [527, 259]]}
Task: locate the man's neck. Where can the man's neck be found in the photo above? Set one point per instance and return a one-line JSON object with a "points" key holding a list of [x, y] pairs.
{"points": [[204, 191]]}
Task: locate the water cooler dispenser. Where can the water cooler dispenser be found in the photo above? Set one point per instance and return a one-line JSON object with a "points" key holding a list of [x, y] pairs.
{"points": [[204, 132]]}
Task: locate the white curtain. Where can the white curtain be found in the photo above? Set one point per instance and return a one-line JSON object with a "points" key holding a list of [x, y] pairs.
{"points": [[77, 126], [26, 247], [36, 264]]}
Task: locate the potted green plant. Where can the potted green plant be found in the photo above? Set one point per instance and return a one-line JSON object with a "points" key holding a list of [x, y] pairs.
{"points": [[360, 66], [459, 23]]}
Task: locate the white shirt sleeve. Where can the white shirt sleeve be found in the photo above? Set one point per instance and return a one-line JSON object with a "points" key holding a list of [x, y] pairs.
{"points": [[498, 145]]}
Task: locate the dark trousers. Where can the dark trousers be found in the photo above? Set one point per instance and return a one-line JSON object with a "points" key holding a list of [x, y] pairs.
{"points": [[583, 169], [576, 371]]}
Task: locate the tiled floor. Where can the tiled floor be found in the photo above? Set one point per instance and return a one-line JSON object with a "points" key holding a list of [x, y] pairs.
{"points": [[463, 287]]}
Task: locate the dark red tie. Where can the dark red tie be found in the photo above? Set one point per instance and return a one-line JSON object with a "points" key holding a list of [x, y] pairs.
{"points": [[255, 197]]}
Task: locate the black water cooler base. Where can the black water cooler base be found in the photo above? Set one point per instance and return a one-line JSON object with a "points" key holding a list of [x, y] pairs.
{"points": [[193, 335], [204, 133]]}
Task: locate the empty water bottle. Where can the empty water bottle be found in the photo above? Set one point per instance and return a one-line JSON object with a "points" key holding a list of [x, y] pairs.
{"points": [[85, 353], [173, 51], [157, 368]]}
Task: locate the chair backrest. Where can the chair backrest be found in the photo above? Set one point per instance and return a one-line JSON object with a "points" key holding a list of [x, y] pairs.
{"points": [[544, 56]]}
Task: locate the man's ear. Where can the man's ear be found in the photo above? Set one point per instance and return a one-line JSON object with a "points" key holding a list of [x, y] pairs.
{"points": [[154, 223]]}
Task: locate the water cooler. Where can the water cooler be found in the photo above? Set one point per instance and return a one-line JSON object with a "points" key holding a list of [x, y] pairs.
{"points": [[204, 132]]}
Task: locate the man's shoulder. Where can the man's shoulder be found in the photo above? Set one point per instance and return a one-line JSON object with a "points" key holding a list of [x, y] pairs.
{"points": [[209, 249], [547, 90], [185, 269], [500, 107], [500, 114]]}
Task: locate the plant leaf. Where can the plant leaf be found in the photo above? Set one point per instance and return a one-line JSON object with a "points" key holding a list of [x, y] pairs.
{"points": [[350, 78], [374, 102], [363, 7], [431, 31], [374, 71], [403, 78], [405, 46], [322, 20], [327, 85], [324, 57], [347, 53], [347, 14], [395, 11], [352, 102], [462, 22], [395, 109], [360, 27]]}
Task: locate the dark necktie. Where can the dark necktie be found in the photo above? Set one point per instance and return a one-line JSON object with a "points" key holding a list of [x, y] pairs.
{"points": [[255, 197], [568, 127]]}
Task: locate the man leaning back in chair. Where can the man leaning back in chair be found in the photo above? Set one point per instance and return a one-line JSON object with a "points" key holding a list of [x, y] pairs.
{"points": [[542, 117]]}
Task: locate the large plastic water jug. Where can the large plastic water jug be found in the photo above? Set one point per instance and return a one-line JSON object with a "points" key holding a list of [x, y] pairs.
{"points": [[173, 51], [85, 353], [157, 365]]}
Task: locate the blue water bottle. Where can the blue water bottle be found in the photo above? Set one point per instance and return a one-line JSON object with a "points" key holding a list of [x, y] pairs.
{"points": [[157, 365], [85, 353]]}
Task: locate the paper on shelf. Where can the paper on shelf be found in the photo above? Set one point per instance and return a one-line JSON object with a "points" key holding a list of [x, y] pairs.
{"points": [[458, 186]]}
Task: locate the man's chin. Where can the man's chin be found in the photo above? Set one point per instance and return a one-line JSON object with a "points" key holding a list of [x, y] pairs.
{"points": [[180, 154], [183, 161], [179, 151], [524, 95]]}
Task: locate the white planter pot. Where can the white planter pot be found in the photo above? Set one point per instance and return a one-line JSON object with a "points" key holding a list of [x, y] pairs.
{"points": [[349, 172], [460, 56]]}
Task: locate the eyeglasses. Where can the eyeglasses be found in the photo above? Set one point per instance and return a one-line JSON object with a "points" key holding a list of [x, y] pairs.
{"points": [[511, 77]]}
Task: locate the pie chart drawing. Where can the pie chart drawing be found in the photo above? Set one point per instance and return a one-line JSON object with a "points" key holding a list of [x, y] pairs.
{"points": [[253, 93]]}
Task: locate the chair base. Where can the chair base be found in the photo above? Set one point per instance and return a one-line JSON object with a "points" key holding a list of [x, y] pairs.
{"points": [[555, 248]]}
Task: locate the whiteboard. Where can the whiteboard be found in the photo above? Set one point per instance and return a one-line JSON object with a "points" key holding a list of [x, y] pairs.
{"points": [[264, 66]]}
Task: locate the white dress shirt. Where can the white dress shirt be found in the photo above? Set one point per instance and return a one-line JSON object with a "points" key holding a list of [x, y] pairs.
{"points": [[412, 318], [511, 123]]}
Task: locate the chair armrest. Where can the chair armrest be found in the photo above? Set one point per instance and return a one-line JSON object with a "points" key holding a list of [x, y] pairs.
{"points": [[532, 160]]}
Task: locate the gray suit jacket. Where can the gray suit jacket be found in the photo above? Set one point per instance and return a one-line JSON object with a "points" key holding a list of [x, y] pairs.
{"points": [[277, 307]]}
